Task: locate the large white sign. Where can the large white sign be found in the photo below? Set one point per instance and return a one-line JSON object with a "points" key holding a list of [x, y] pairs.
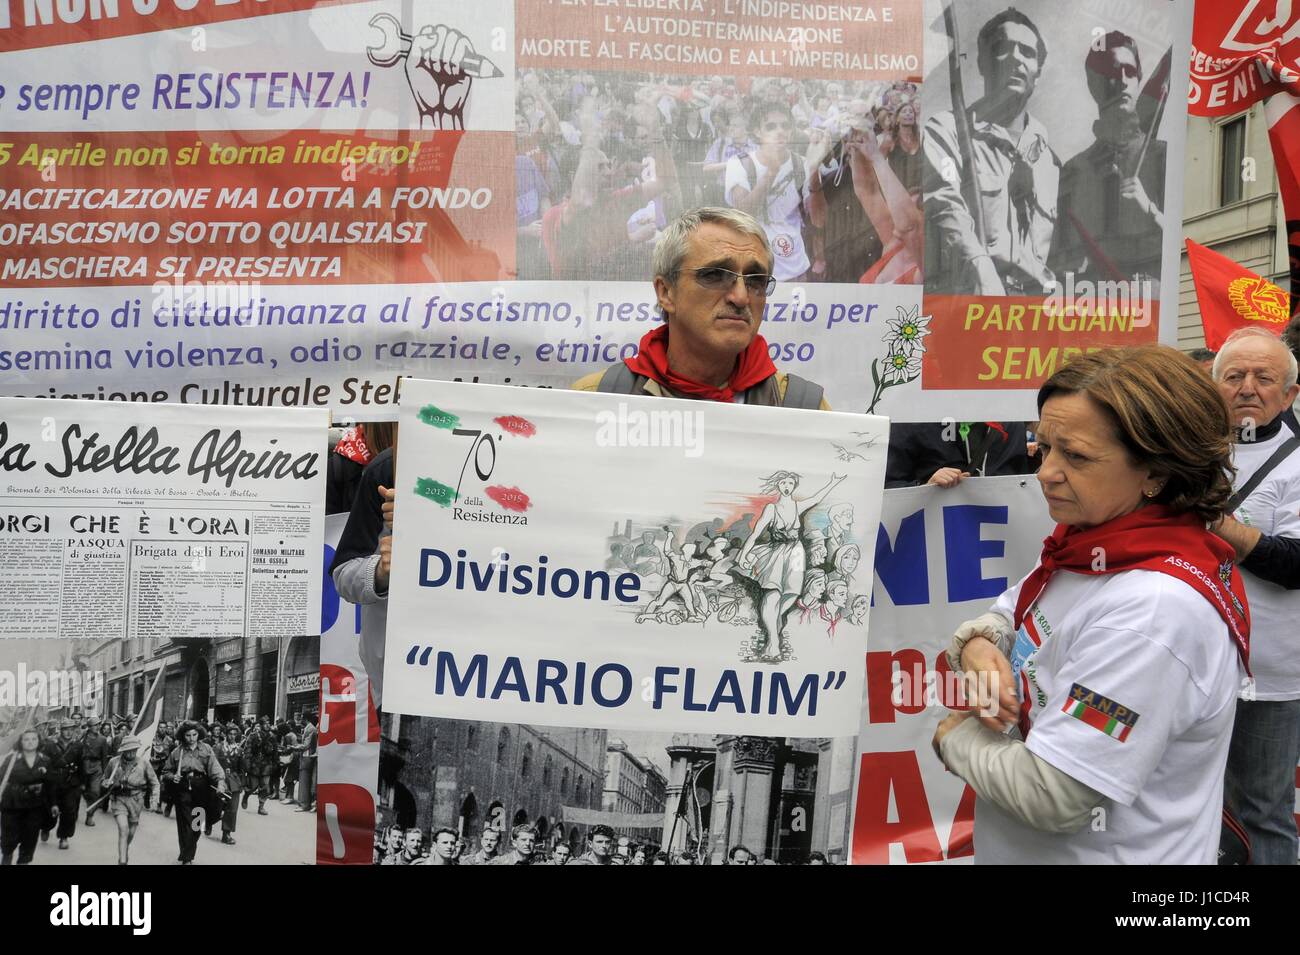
{"points": [[597, 560]]}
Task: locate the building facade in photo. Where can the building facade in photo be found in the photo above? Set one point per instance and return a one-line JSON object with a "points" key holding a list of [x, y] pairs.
{"points": [[782, 798], [465, 775], [1231, 204], [203, 679], [633, 785]]}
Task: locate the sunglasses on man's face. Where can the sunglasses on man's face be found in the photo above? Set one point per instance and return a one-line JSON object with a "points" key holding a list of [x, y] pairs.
{"points": [[756, 283], [774, 125]]}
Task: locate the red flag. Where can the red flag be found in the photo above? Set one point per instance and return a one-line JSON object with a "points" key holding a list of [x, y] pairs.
{"points": [[1233, 297], [1242, 51], [1284, 133]]}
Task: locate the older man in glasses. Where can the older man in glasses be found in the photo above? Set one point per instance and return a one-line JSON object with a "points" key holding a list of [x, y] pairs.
{"points": [[712, 278]]}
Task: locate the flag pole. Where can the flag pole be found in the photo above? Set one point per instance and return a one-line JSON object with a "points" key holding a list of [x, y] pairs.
{"points": [[139, 719], [961, 121]]}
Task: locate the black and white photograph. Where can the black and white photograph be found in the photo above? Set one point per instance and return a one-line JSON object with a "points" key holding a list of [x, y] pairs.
{"points": [[831, 168], [187, 751], [1044, 145], [455, 792]]}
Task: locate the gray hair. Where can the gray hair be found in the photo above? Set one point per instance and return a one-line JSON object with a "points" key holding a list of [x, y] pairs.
{"points": [[672, 246], [1292, 367]]}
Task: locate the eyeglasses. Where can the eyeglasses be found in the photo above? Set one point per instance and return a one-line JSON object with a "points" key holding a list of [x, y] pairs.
{"points": [[756, 283], [774, 126]]}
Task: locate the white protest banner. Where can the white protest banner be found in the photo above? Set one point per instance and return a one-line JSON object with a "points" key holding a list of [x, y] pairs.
{"points": [[348, 746], [630, 563], [121, 520], [290, 203], [943, 557]]}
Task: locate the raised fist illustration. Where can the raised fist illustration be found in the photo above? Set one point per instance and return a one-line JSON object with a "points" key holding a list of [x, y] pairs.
{"points": [[434, 70]]}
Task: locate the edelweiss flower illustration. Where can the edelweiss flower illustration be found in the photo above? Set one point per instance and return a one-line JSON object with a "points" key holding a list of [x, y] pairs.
{"points": [[907, 331], [904, 346], [901, 367]]}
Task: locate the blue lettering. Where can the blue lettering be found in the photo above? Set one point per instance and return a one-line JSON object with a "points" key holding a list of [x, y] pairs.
{"points": [[902, 566], [808, 686], [567, 589], [964, 550], [425, 555], [511, 678], [728, 691], [460, 685], [329, 597], [662, 686], [628, 588], [554, 682], [688, 694], [598, 681]]}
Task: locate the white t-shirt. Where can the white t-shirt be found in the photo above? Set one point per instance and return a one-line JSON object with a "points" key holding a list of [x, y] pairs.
{"points": [[1272, 508], [780, 216], [1132, 682]]}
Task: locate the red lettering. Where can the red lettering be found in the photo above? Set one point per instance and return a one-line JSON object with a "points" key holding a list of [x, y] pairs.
{"points": [[952, 692], [880, 684], [338, 705], [345, 824], [961, 838], [879, 774]]}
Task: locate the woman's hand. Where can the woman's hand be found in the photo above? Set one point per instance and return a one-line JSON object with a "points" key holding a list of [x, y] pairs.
{"points": [[946, 726], [990, 687], [389, 496]]}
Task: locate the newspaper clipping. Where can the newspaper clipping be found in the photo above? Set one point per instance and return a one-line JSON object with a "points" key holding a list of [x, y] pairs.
{"points": [[204, 522]]}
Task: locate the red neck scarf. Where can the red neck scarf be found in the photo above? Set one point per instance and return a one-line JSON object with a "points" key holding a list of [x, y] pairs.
{"points": [[651, 360], [353, 446], [1150, 538]]}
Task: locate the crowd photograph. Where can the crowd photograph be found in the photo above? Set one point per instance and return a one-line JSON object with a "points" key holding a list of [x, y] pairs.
{"points": [[198, 778], [832, 169]]}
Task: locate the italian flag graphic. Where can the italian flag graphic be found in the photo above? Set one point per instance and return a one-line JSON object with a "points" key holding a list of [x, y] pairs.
{"points": [[1097, 719]]}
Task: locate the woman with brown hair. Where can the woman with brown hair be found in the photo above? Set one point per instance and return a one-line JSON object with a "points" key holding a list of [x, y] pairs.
{"points": [[26, 798], [1115, 664]]}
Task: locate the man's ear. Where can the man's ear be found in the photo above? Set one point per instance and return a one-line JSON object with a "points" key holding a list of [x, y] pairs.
{"points": [[664, 296]]}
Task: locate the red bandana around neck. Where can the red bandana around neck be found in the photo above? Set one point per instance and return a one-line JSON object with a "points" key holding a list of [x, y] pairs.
{"points": [[353, 446], [1150, 538], [651, 360]]}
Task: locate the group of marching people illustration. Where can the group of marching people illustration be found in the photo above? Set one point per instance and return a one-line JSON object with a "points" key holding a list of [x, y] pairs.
{"points": [[777, 572]]}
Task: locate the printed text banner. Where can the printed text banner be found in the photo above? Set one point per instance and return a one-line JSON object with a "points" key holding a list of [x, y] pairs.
{"points": [[595, 560]]}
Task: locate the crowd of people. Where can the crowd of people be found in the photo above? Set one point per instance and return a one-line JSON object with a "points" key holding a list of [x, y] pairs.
{"points": [[832, 169], [203, 771], [1145, 456], [397, 846]]}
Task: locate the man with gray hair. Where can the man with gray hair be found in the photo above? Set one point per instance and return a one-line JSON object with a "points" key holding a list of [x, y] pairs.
{"points": [[1256, 375], [712, 277]]}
